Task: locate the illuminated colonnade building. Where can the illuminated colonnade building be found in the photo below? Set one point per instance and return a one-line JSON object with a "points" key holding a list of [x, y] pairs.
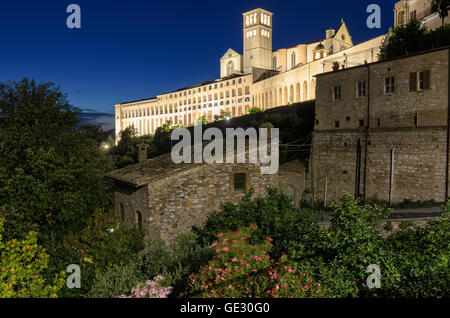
{"points": [[260, 77]]}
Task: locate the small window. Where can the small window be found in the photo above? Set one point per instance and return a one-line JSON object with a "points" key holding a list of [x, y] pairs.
{"points": [[240, 180], [337, 93], [317, 121], [139, 219], [122, 212], [361, 89], [378, 122], [389, 87], [336, 124], [347, 118], [361, 123]]}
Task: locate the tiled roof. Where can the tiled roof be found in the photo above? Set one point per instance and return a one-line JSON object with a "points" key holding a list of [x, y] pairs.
{"points": [[154, 169], [150, 170]]}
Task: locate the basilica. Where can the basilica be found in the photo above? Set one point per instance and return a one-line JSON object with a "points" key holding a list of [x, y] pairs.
{"points": [[260, 76]]}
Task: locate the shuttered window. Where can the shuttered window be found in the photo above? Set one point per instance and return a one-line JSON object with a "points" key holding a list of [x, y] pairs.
{"points": [[413, 82], [426, 79], [419, 81]]}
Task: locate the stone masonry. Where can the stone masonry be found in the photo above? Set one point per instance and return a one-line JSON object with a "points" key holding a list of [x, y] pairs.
{"points": [[167, 199], [379, 144]]}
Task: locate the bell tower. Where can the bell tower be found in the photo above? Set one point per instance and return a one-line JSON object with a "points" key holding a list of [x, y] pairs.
{"points": [[257, 39]]}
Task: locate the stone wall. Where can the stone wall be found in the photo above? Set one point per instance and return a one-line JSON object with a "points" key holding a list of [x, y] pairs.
{"points": [[396, 151], [175, 204]]}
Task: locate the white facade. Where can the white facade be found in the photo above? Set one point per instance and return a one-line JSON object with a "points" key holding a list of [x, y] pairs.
{"points": [[238, 89]]}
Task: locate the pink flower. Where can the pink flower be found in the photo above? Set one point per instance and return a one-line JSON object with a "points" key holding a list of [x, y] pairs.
{"points": [[234, 259], [213, 244], [220, 234]]}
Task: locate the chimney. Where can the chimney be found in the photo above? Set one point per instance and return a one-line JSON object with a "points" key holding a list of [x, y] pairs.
{"points": [[330, 33], [142, 152]]}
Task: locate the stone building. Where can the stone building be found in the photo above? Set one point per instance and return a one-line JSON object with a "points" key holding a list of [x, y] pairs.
{"points": [[167, 199], [381, 130], [423, 10], [260, 77]]}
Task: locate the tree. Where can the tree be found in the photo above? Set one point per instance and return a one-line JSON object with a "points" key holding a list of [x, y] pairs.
{"points": [[412, 38], [51, 173], [442, 8], [405, 39], [223, 115], [336, 66], [22, 264], [255, 110], [203, 120]]}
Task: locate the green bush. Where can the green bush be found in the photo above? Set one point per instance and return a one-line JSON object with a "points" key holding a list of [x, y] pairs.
{"points": [[117, 280], [421, 256], [22, 267], [293, 231], [175, 262], [413, 262], [388, 227], [104, 242]]}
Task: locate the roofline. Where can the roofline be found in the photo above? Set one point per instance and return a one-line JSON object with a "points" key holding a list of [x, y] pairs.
{"points": [[389, 60], [261, 9], [138, 100], [115, 179], [331, 55], [189, 87]]}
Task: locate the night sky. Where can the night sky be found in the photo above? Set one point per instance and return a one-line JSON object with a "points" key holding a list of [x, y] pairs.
{"points": [[127, 50]]}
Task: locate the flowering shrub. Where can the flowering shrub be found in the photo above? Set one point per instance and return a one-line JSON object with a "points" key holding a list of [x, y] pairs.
{"points": [[151, 289], [22, 269], [243, 270], [104, 241]]}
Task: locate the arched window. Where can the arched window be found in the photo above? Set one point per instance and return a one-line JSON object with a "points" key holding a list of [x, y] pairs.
{"points": [[291, 94], [122, 212], [313, 89], [293, 60], [305, 91], [274, 62], [230, 68], [139, 219]]}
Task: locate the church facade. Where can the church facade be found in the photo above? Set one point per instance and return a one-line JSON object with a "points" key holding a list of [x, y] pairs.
{"points": [[259, 77]]}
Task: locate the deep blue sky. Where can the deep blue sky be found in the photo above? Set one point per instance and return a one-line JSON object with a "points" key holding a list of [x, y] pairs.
{"points": [[134, 49]]}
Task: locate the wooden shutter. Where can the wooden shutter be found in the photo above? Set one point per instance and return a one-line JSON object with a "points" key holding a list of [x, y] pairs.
{"points": [[426, 79], [413, 82]]}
